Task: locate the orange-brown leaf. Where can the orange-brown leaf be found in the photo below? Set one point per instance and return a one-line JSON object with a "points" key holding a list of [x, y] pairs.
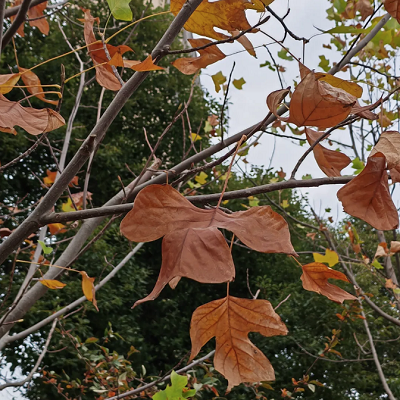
{"points": [[104, 73], [274, 99], [228, 15], [331, 162], [88, 288], [230, 320], [52, 284], [208, 56], [318, 103], [37, 12], [389, 146], [31, 79], [201, 254], [32, 120], [315, 279], [56, 228], [367, 196], [146, 65], [365, 8], [245, 42], [393, 8], [192, 241]]}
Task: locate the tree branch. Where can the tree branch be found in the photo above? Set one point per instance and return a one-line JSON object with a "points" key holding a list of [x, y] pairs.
{"points": [[38, 362], [18, 21], [14, 10], [2, 12]]}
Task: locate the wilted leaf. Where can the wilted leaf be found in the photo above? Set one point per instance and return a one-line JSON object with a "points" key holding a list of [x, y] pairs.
{"points": [[230, 320], [394, 247], [228, 15], [365, 8], [381, 250], [193, 246], [7, 82], [331, 162], [208, 56], [367, 196], [120, 9], [390, 284], [218, 79], [315, 278], [104, 73], [389, 146], [330, 257], [349, 87], [56, 228], [146, 65], [34, 13], [32, 120], [52, 284], [393, 8], [35, 86], [88, 288], [245, 42]]}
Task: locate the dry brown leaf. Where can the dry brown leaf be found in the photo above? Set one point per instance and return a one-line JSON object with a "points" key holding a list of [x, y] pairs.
{"points": [[389, 146], [318, 103], [365, 111], [381, 250], [31, 79], [389, 284], [365, 8], [191, 234], [88, 288], [331, 162], [32, 120], [230, 320], [394, 247], [228, 15], [275, 99], [349, 87], [52, 284], [7, 82], [208, 56], [104, 73], [5, 232], [315, 279], [33, 13], [245, 42], [393, 8], [367, 195]]}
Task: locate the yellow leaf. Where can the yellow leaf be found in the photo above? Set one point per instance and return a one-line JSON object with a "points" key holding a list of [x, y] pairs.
{"points": [[7, 82], [56, 228], [52, 284], [331, 258], [195, 137], [88, 288], [201, 178], [67, 207], [218, 79], [349, 87], [285, 204], [50, 178]]}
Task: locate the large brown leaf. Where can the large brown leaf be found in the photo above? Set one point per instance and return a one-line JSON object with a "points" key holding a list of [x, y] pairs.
{"points": [[32, 120], [230, 320], [367, 196], [316, 102], [160, 210], [389, 146], [33, 13], [331, 162], [228, 15], [315, 279], [393, 8], [208, 56]]}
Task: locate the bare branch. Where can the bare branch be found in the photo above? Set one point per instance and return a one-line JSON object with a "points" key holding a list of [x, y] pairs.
{"points": [[18, 21]]}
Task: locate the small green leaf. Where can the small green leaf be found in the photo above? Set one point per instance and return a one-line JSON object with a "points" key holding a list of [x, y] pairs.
{"points": [[306, 177], [396, 291], [120, 9], [284, 55], [358, 165], [377, 264], [46, 249], [324, 64], [238, 83]]}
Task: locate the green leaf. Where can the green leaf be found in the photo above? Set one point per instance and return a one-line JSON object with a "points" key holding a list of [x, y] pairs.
{"points": [[177, 390], [46, 249], [396, 291], [377, 264], [347, 29], [238, 83], [120, 9], [306, 177], [324, 64], [358, 165], [284, 55]]}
